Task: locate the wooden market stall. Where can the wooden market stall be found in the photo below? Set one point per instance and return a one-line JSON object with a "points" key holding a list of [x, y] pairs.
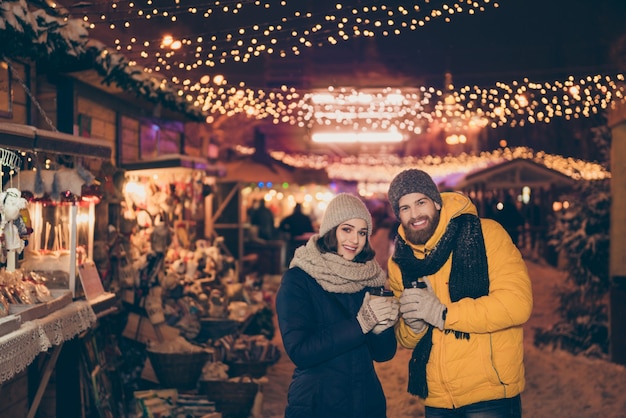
{"points": [[41, 339], [534, 188], [260, 172]]}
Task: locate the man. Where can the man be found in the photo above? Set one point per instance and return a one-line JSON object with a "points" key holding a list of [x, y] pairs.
{"points": [[295, 226], [464, 294], [263, 219], [297, 223]]}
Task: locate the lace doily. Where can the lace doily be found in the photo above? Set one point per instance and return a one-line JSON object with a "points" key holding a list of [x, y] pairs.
{"points": [[68, 322], [19, 348]]}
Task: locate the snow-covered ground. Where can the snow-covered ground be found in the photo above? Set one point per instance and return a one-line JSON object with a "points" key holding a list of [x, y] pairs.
{"points": [[558, 384]]}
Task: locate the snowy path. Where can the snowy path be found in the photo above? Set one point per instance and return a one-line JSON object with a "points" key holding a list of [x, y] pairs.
{"points": [[558, 383]]}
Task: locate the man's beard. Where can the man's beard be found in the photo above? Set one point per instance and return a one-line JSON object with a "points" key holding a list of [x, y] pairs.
{"points": [[420, 237]]}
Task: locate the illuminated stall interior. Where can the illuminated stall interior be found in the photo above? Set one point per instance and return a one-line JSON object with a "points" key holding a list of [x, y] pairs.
{"points": [[61, 200]]}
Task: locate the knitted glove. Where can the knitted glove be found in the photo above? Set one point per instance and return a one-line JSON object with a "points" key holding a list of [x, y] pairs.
{"points": [[417, 325], [375, 311], [422, 304], [366, 316], [392, 318]]}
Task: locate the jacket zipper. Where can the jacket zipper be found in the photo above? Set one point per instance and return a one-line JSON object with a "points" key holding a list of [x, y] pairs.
{"points": [[440, 353]]}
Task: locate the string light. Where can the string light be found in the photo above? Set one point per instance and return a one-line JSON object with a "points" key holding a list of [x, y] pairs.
{"points": [[408, 110], [380, 169], [285, 32]]}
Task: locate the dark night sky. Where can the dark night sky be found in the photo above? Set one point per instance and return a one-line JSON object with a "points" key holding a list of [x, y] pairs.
{"points": [[540, 39], [544, 40]]}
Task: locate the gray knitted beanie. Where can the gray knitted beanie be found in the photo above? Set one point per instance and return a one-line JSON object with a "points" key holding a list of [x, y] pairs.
{"points": [[412, 181], [345, 206]]}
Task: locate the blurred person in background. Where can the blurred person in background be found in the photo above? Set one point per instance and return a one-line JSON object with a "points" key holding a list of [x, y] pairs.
{"points": [[509, 216], [382, 239], [296, 227], [263, 219]]}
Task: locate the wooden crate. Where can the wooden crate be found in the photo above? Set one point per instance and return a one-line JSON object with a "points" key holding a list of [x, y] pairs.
{"points": [[28, 312]]}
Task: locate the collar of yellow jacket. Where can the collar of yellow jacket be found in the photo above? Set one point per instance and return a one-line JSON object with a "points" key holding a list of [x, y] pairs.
{"points": [[454, 204]]}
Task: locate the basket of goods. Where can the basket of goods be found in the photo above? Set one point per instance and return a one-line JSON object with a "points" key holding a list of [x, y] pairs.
{"points": [[214, 328], [217, 323], [256, 369], [251, 355], [234, 397], [178, 363]]}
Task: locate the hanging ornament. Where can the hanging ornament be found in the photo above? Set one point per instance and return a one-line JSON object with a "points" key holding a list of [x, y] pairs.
{"points": [[69, 197], [92, 193], [12, 204]]}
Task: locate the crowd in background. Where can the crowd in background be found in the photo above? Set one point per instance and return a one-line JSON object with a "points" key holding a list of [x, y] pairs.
{"points": [[295, 228]]}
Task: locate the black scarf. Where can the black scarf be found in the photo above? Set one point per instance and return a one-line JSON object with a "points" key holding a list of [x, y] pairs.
{"points": [[469, 277]]}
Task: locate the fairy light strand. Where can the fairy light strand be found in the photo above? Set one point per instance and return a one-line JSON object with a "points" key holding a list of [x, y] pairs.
{"points": [[382, 168], [515, 103]]}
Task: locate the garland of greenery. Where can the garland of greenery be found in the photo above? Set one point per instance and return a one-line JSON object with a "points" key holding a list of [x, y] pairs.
{"points": [[43, 36]]}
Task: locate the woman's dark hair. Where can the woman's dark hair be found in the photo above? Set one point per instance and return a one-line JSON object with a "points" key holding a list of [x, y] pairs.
{"points": [[328, 244]]}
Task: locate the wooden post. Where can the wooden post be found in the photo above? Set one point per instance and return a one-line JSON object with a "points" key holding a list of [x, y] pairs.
{"points": [[48, 367], [617, 263]]}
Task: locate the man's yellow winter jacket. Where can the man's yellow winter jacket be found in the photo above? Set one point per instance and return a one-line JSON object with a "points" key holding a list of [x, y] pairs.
{"points": [[490, 364]]}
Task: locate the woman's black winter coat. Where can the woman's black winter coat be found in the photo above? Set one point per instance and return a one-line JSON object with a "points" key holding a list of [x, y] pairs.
{"points": [[334, 375]]}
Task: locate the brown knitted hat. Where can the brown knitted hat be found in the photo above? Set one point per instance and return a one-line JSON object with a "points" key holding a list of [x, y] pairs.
{"points": [[345, 206], [412, 181]]}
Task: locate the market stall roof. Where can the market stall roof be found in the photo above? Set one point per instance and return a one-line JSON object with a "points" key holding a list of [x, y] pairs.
{"points": [[175, 161], [261, 167], [515, 173], [252, 170], [29, 138], [448, 171]]}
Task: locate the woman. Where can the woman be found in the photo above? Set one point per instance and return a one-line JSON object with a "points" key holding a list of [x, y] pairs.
{"points": [[332, 328]]}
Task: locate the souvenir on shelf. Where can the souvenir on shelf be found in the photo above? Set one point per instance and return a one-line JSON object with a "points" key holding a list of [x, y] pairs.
{"points": [[13, 228], [62, 221]]}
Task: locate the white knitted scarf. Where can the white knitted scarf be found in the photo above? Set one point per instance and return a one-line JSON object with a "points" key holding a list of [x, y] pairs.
{"points": [[334, 273]]}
